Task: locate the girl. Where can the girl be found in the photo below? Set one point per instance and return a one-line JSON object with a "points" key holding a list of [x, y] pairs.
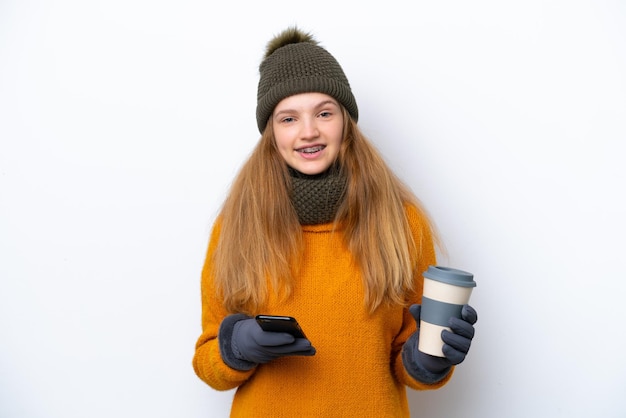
{"points": [[317, 227]]}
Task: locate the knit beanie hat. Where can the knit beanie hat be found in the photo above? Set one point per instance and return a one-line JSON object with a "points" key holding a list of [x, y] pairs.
{"points": [[294, 63]]}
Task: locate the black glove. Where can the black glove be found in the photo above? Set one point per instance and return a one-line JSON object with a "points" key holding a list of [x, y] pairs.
{"points": [[243, 344], [456, 342]]}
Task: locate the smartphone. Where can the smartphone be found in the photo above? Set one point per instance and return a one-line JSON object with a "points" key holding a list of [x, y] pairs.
{"points": [[275, 323]]}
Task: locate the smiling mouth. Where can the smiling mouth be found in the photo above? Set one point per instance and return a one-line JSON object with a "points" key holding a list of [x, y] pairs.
{"points": [[311, 150]]}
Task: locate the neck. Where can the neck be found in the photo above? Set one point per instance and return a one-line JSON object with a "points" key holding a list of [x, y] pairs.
{"points": [[316, 198]]}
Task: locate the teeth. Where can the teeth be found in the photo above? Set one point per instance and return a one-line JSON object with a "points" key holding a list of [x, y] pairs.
{"points": [[311, 150]]}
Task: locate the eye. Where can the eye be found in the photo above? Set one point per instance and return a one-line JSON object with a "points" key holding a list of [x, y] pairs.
{"points": [[287, 119], [325, 114]]}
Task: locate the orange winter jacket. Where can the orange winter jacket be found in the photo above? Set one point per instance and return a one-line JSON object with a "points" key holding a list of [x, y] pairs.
{"points": [[357, 370]]}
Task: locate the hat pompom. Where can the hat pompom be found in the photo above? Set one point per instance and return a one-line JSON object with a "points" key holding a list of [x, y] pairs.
{"points": [[288, 36]]}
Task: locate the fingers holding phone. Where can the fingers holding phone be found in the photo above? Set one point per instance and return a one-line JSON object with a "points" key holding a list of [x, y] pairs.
{"points": [[266, 338]]}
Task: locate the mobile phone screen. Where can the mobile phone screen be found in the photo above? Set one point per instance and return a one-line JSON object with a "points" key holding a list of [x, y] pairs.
{"points": [[275, 323]]}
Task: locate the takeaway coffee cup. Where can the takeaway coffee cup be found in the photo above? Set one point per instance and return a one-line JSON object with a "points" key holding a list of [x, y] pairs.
{"points": [[446, 290]]}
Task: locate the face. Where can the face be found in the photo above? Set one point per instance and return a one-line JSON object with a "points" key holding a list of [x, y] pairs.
{"points": [[308, 129]]}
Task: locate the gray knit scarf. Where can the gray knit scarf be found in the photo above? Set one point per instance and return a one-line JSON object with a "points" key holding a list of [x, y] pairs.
{"points": [[316, 198]]}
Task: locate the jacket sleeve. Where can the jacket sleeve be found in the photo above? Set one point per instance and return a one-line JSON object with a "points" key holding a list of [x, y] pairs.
{"points": [[207, 360], [405, 372]]}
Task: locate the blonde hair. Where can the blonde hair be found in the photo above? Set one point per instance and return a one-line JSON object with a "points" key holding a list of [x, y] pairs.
{"points": [[251, 249]]}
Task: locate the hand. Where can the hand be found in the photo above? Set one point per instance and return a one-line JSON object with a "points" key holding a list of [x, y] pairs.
{"points": [[456, 342], [251, 343]]}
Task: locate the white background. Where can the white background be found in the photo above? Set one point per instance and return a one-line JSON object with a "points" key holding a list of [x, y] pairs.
{"points": [[123, 122]]}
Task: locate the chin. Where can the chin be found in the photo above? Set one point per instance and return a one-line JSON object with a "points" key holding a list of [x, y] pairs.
{"points": [[311, 171]]}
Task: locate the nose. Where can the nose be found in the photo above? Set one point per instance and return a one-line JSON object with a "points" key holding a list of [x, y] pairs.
{"points": [[309, 128]]}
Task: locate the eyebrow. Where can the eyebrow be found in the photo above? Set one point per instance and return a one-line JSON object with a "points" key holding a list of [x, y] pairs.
{"points": [[317, 106]]}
